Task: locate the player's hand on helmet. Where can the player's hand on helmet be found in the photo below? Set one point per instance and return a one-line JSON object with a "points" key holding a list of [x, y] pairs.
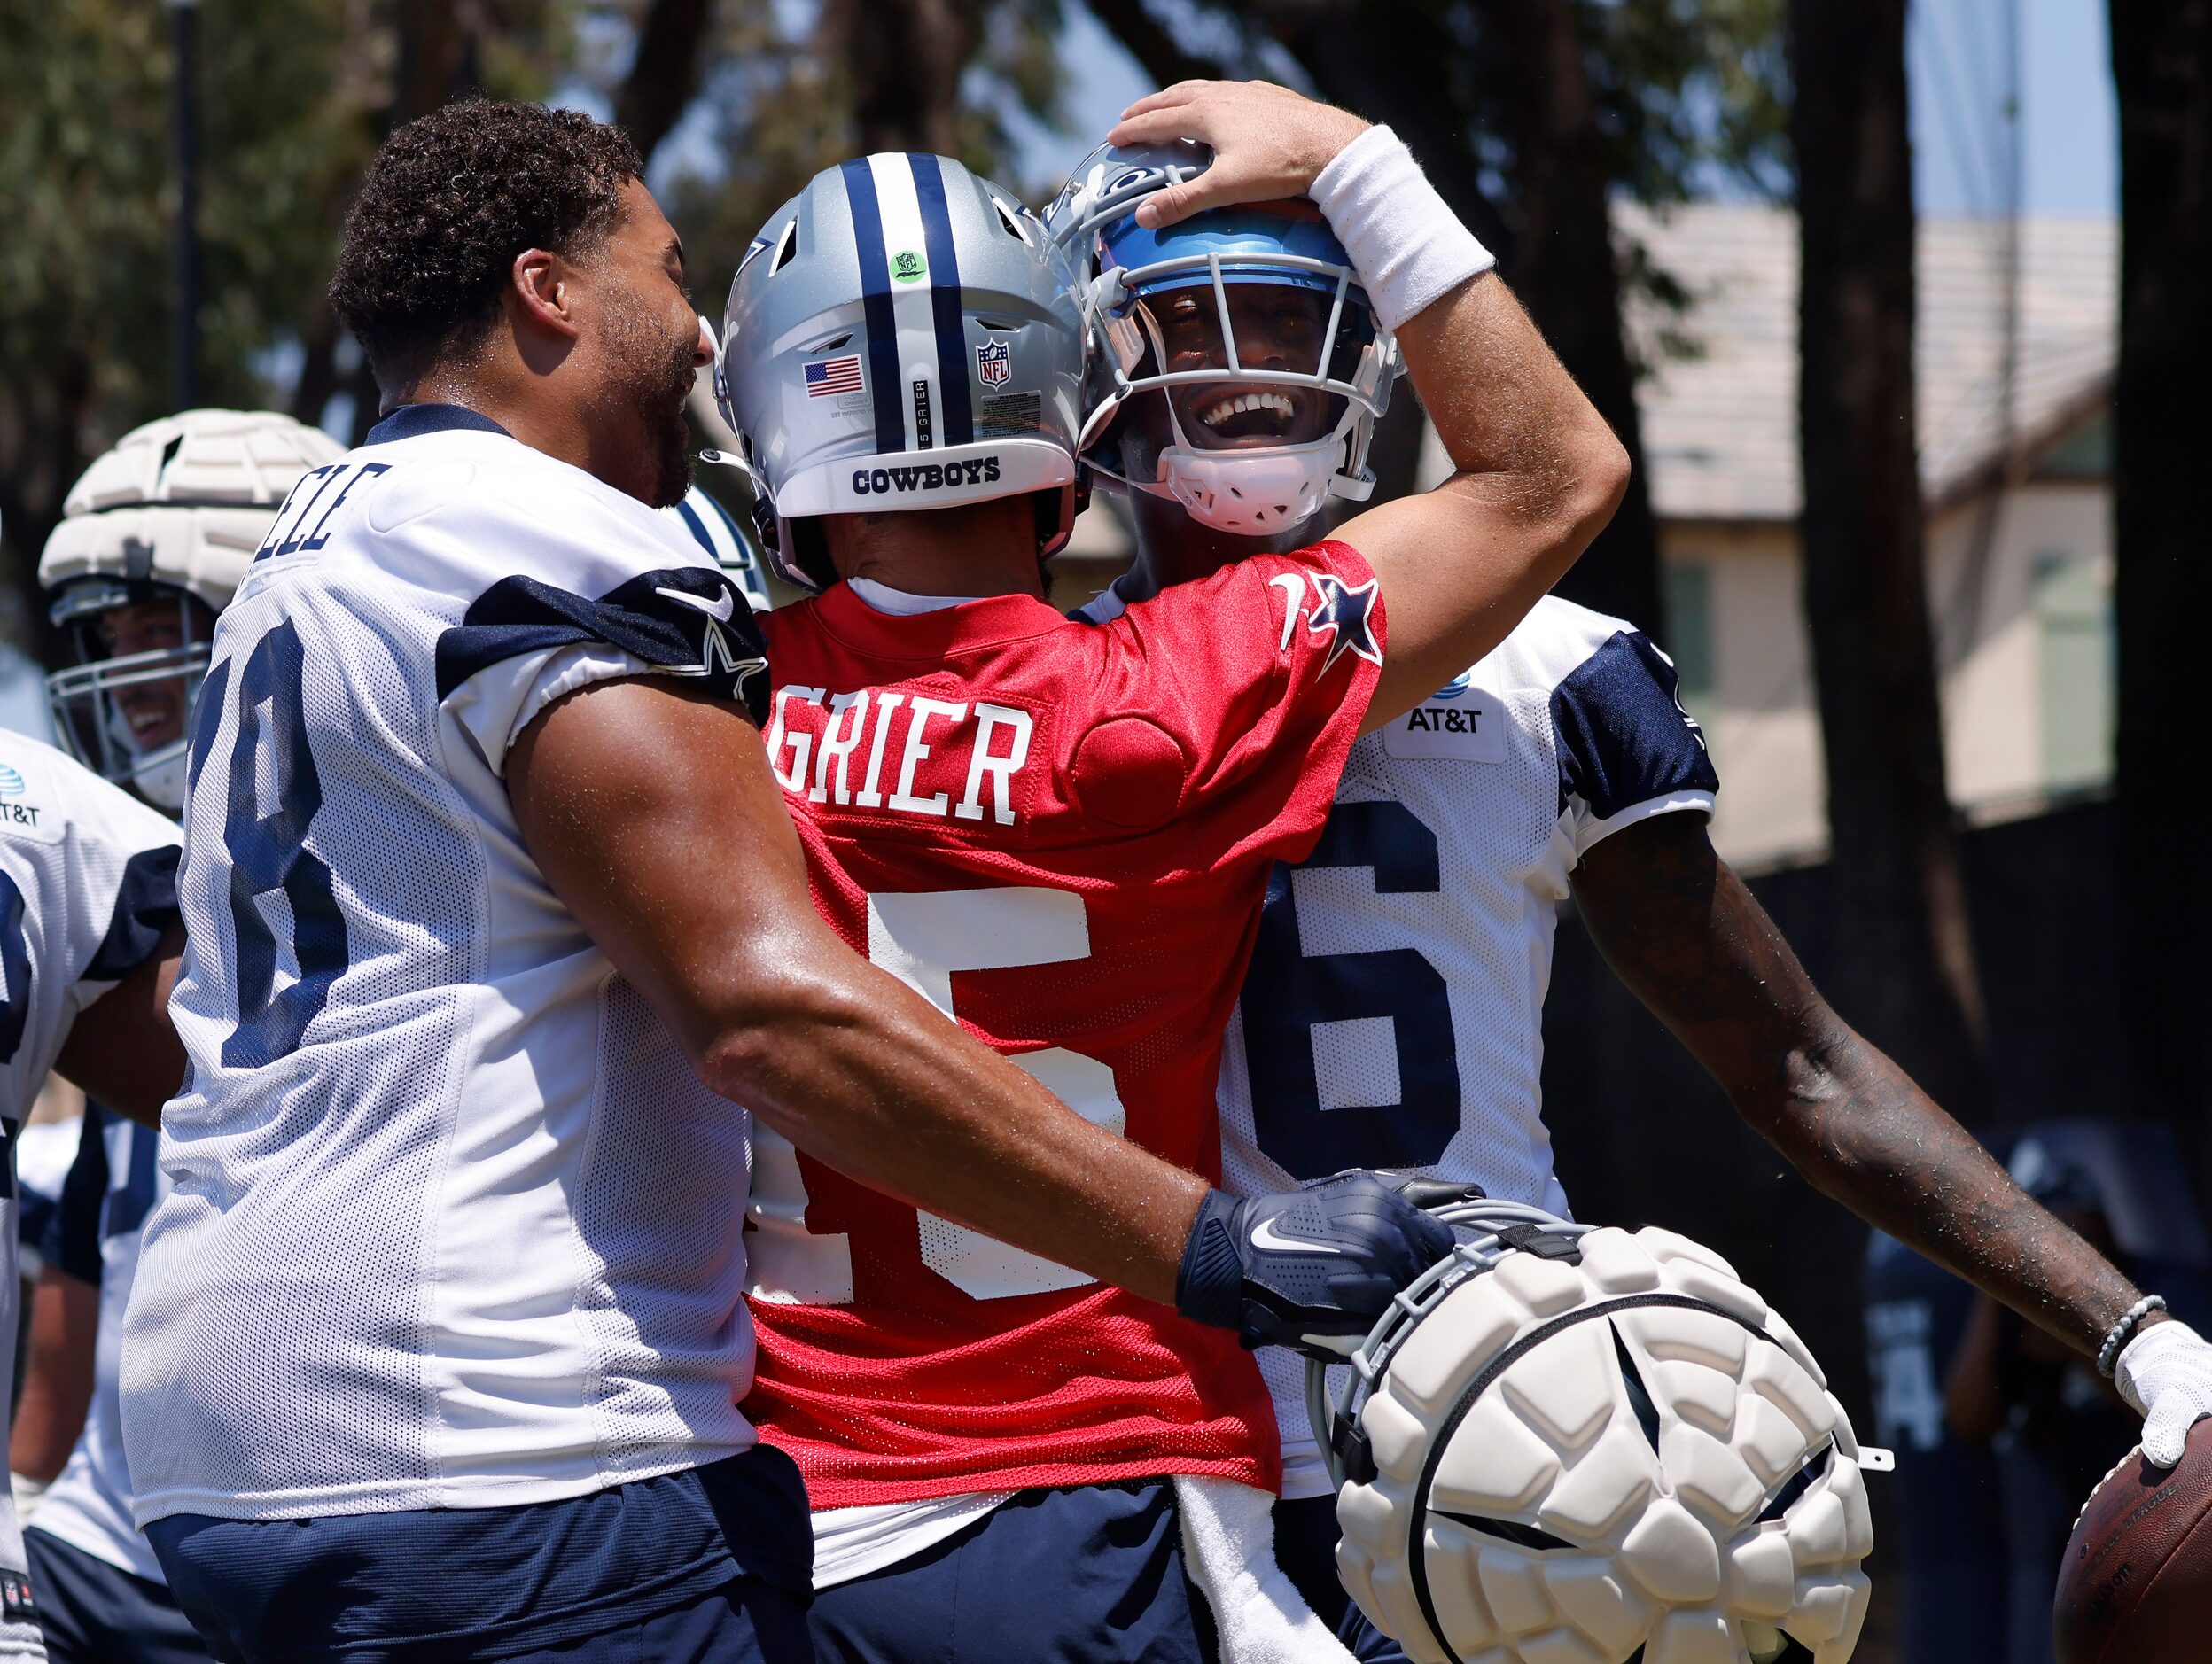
{"points": [[2165, 1374], [1312, 1268], [1268, 143]]}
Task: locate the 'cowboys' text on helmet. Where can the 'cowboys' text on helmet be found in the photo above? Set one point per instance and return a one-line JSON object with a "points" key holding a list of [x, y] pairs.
{"points": [[899, 337]]}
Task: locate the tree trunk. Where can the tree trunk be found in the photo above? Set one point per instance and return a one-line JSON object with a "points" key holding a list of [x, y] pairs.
{"points": [[903, 60], [1564, 269], [1906, 975], [2161, 54], [1156, 48], [40, 425], [1388, 60], [664, 71]]}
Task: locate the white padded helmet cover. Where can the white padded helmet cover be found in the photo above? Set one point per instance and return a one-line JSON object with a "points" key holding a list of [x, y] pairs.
{"points": [[198, 490], [1612, 1517]]}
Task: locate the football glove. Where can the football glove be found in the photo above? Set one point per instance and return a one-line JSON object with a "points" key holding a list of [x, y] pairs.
{"points": [[1313, 1268], [2165, 1374]]}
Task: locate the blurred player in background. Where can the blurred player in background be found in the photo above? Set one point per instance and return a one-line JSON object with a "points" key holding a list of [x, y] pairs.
{"points": [[1392, 1015], [1062, 835], [164, 572], [153, 542], [90, 941], [496, 919]]}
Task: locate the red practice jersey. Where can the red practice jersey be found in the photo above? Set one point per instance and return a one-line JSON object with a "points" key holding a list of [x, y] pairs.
{"points": [[1061, 834]]}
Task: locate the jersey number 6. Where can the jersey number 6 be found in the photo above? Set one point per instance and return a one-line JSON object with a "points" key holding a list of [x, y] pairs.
{"points": [[922, 939], [1296, 1003]]}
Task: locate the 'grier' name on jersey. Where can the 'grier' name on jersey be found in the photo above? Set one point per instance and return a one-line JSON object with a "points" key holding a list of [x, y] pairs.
{"points": [[878, 749], [924, 476]]}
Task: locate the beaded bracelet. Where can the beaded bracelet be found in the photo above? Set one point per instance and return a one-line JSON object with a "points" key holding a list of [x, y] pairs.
{"points": [[2108, 1354]]}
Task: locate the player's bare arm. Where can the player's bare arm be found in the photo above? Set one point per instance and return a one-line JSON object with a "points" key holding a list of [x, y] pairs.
{"points": [[121, 1050], [1694, 945], [57, 1374], [1537, 473], [692, 882]]}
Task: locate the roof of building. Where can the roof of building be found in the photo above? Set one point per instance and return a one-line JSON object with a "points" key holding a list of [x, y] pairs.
{"points": [[1720, 426]]}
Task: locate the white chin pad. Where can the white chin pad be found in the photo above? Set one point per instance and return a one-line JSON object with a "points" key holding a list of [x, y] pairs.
{"points": [[160, 777], [1251, 493]]}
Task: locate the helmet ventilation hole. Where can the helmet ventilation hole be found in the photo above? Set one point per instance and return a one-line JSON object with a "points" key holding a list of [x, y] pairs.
{"points": [[1796, 1485], [786, 246], [1638, 1397], [1512, 1531], [1012, 222]]}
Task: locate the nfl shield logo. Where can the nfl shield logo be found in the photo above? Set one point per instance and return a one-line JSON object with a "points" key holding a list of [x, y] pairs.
{"points": [[995, 363]]}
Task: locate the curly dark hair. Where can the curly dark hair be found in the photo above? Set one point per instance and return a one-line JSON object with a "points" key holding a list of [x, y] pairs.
{"points": [[448, 202]]}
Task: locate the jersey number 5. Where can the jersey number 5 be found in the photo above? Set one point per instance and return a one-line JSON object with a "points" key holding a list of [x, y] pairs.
{"points": [[923, 939]]}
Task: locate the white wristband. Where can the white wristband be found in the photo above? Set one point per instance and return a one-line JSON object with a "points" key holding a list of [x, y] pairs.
{"points": [[1408, 247]]}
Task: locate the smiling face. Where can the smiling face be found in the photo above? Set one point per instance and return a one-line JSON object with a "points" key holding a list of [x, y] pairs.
{"points": [[1280, 328], [153, 712]]}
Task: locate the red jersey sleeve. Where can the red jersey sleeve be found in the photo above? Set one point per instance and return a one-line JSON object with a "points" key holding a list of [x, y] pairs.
{"points": [[1240, 696]]}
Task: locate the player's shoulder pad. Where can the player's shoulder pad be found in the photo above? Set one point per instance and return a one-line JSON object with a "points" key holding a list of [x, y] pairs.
{"points": [[46, 796], [1622, 734], [1552, 642], [502, 508]]}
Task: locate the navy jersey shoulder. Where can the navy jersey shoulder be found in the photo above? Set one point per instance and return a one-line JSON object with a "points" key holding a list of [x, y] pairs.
{"points": [[1618, 728]]}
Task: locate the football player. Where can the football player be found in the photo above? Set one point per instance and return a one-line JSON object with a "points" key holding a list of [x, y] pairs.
{"points": [[1061, 835], [1392, 1014], [89, 942], [153, 542], [496, 918]]}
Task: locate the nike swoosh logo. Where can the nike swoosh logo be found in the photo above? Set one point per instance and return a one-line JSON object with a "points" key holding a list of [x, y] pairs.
{"points": [[1264, 1235], [719, 610]]}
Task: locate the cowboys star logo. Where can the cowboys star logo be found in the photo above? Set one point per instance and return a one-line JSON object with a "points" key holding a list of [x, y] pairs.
{"points": [[1345, 613]]}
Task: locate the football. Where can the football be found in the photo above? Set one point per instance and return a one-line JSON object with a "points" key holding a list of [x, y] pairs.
{"points": [[2136, 1587]]}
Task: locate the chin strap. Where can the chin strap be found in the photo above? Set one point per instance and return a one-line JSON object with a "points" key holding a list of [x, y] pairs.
{"points": [[160, 777]]}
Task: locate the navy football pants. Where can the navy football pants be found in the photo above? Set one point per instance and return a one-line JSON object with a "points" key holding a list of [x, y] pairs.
{"points": [[1085, 1574], [93, 1613]]}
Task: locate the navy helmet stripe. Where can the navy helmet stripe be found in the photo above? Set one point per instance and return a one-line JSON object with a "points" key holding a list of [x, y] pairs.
{"points": [[947, 309], [882, 327]]}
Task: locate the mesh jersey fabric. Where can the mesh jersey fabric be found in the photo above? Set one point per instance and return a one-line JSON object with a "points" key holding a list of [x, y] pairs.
{"points": [[89, 1505], [87, 889], [1060, 836], [452, 1224], [1393, 1013]]}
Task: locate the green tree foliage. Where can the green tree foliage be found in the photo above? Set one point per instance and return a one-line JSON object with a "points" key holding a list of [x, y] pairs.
{"points": [[790, 91], [294, 95]]}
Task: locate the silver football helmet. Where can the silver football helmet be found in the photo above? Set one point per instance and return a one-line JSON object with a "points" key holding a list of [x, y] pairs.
{"points": [[1574, 1443], [1263, 434], [153, 540], [900, 336]]}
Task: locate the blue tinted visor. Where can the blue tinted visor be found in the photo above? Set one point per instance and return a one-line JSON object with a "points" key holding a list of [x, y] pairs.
{"points": [[1245, 238]]}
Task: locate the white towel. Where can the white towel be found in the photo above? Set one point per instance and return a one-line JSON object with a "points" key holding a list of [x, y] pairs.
{"points": [[1229, 1546]]}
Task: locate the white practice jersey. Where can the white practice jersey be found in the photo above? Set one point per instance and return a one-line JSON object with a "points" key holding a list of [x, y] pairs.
{"points": [[88, 887], [94, 1235], [452, 1223], [1393, 1013]]}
